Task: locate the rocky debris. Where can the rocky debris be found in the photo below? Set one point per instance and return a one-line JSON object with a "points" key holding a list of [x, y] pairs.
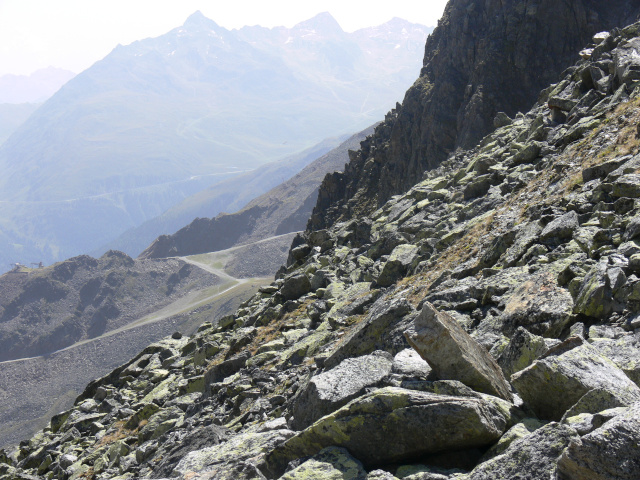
{"points": [[334, 388], [523, 349], [388, 426], [559, 379], [453, 354]]}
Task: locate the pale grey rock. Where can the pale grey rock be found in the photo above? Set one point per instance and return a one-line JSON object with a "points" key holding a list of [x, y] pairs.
{"points": [[532, 457], [453, 354], [561, 227], [523, 349], [409, 363], [623, 351], [611, 452], [334, 388], [558, 380], [230, 455]]}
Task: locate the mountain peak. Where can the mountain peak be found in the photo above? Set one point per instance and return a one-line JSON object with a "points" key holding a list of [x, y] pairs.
{"points": [[322, 23], [198, 21]]}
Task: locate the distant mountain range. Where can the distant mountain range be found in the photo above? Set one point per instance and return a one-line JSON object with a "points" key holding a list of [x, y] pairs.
{"points": [[34, 88], [163, 118]]}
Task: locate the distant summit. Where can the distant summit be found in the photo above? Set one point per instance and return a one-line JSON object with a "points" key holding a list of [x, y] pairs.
{"points": [[198, 21]]}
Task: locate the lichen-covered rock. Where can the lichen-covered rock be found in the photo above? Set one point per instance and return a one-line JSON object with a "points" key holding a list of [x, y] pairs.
{"points": [[539, 305], [523, 349], [561, 227], [532, 457], [401, 258], [331, 463], [623, 351], [389, 425], [453, 354], [295, 286], [235, 453], [611, 452], [368, 335], [558, 380], [334, 388]]}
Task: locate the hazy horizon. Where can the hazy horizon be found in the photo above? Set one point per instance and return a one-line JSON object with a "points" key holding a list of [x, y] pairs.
{"points": [[72, 35]]}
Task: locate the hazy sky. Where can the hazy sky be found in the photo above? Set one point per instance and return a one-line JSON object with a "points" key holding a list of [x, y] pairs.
{"points": [[73, 34]]}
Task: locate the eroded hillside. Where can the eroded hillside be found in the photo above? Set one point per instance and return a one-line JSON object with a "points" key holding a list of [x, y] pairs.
{"points": [[481, 325]]}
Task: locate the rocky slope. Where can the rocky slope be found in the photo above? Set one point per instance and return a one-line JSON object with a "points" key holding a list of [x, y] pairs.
{"points": [[481, 325], [283, 209], [484, 57]]}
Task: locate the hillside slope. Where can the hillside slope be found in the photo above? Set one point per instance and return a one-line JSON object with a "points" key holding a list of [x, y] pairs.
{"points": [[494, 306], [283, 209]]}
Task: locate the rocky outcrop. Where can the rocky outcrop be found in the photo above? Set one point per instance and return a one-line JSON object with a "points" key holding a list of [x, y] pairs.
{"points": [[483, 58]]}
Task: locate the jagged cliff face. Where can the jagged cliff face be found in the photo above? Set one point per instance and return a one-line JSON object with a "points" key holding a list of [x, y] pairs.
{"points": [[484, 57], [483, 325]]}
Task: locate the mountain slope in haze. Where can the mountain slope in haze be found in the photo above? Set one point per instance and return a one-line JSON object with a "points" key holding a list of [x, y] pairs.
{"points": [[283, 209], [455, 100], [34, 88], [394, 343], [163, 118], [12, 116], [229, 195]]}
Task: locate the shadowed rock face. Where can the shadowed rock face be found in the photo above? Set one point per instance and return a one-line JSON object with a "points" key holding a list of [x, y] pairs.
{"points": [[484, 57]]}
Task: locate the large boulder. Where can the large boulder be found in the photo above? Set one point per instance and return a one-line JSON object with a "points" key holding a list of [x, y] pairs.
{"points": [[559, 379], [539, 305], [533, 457], [623, 351], [295, 286], [611, 452], [561, 227], [394, 424], [334, 388], [454, 355]]}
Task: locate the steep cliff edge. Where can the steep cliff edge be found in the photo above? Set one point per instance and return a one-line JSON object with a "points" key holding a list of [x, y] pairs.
{"points": [[484, 57]]}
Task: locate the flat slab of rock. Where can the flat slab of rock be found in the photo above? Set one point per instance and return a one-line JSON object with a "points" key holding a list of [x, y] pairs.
{"points": [[454, 355], [559, 379], [611, 452], [332, 389], [394, 424]]}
